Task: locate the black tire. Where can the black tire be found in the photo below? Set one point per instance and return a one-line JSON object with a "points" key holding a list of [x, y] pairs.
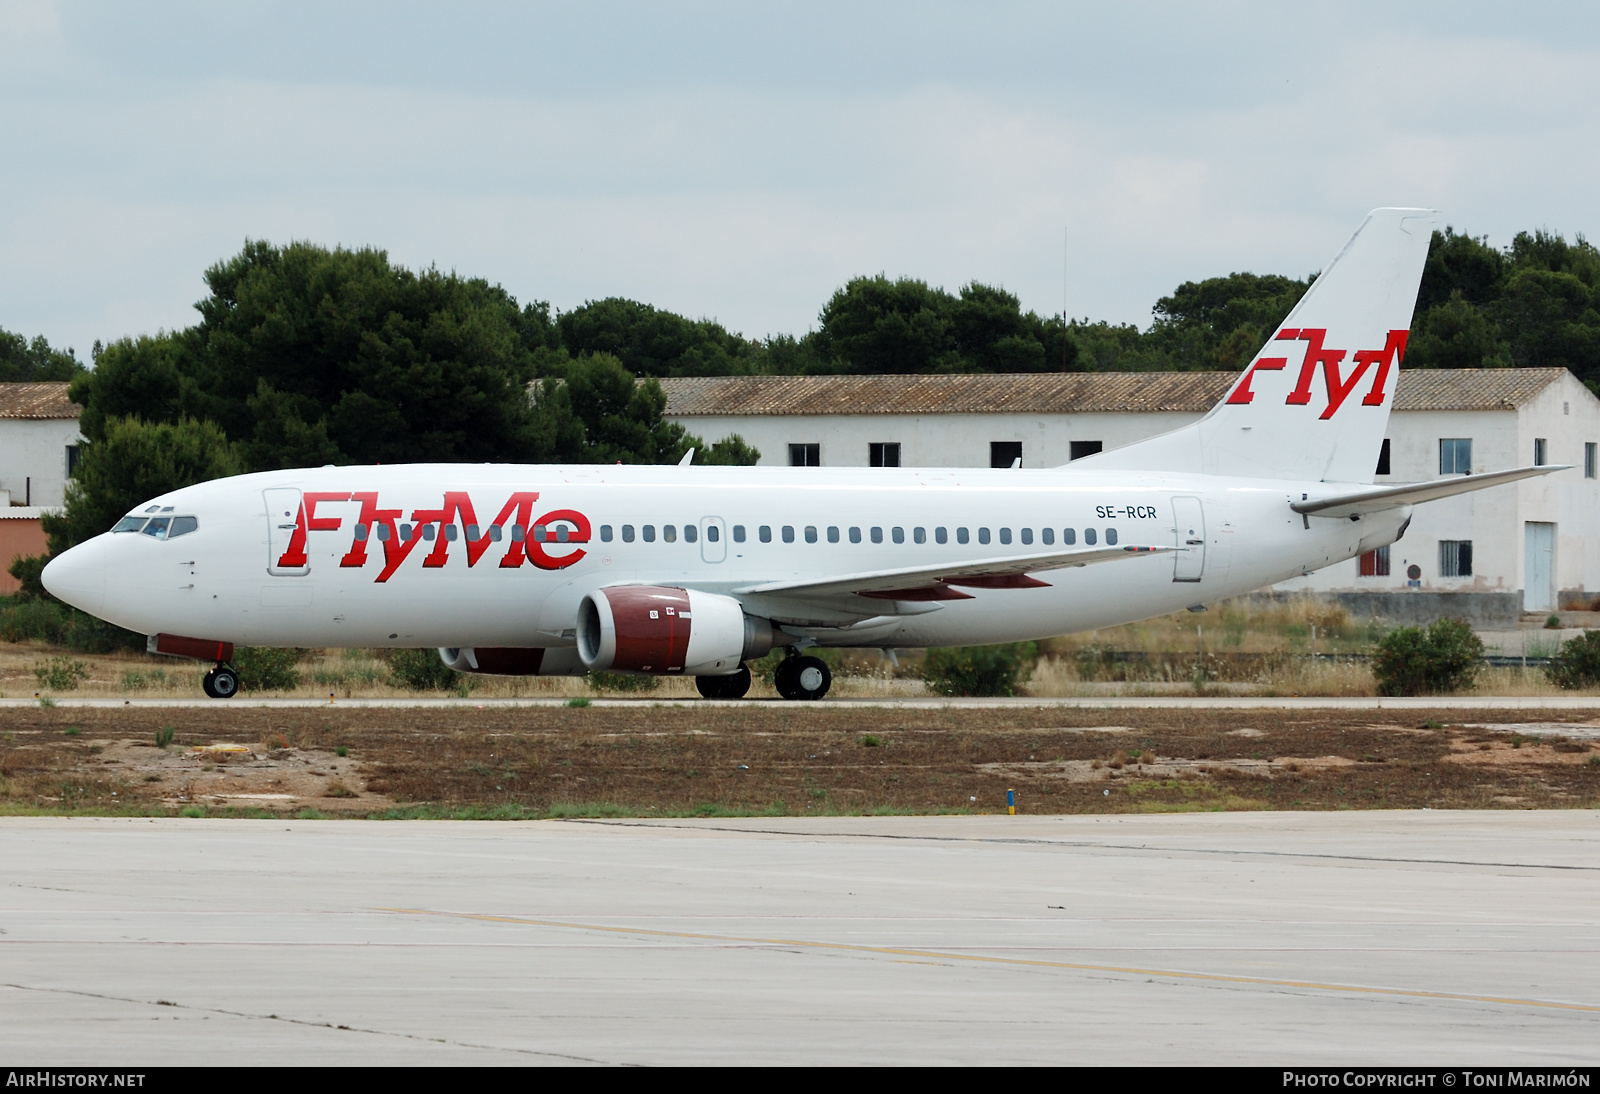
{"points": [[207, 683], [803, 678], [733, 686], [222, 682]]}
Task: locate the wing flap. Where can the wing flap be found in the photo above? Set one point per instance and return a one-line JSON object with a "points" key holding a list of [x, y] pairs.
{"points": [[933, 582]]}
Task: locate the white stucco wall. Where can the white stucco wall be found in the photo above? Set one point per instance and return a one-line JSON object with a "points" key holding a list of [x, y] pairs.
{"points": [[1566, 413], [931, 440], [36, 449]]}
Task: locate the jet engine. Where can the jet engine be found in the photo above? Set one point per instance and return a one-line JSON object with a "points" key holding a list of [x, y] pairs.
{"points": [[664, 630], [512, 661]]}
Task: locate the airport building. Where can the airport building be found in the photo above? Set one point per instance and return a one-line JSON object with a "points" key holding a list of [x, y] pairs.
{"points": [[38, 447], [1488, 557]]}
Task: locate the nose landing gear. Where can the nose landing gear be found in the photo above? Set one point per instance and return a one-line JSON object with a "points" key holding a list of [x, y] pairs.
{"points": [[221, 682], [802, 678]]}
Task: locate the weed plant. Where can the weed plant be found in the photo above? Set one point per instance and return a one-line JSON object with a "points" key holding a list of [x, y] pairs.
{"points": [[1577, 663], [1414, 661]]}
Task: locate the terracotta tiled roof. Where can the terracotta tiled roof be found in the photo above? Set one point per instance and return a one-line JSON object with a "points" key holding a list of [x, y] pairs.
{"points": [[47, 400], [1057, 393], [1472, 388]]}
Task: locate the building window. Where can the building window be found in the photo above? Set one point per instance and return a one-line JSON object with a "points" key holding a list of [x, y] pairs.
{"points": [[1455, 456], [1383, 458], [1541, 452], [1455, 558], [1004, 453], [1079, 449], [1589, 460], [72, 459], [1375, 563], [883, 454], [805, 455]]}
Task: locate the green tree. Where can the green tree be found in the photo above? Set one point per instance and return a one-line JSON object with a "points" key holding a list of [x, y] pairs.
{"points": [[621, 417], [1222, 322], [22, 361], [306, 355], [651, 342], [132, 462], [875, 325]]}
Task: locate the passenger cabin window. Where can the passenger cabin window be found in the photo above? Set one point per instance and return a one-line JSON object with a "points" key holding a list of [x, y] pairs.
{"points": [[1027, 536], [833, 533], [691, 533], [627, 533], [1069, 536], [983, 535], [1088, 536], [738, 533], [811, 533], [1004, 453], [805, 455], [855, 535], [669, 533], [1111, 537], [1047, 536], [605, 533], [765, 533], [898, 534], [649, 533], [877, 535], [962, 535], [788, 533], [1455, 456], [941, 536], [1005, 535], [883, 454]]}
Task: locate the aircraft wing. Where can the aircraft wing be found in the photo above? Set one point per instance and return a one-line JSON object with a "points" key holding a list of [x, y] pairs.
{"points": [[1392, 497], [935, 582]]}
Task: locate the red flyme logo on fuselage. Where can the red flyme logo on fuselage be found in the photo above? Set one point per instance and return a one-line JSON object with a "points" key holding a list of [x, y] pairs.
{"points": [[1338, 387], [527, 536]]}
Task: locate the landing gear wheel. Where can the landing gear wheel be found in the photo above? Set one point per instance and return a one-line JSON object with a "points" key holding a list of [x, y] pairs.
{"points": [[733, 686], [221, 682], [802, 678]]}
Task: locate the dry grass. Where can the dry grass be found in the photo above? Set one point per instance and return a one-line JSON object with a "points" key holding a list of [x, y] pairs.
{"points": [[646, 759], [1250, 646]]}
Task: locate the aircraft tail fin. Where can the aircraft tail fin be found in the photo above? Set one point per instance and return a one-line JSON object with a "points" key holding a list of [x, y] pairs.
{"points": [[1314, 402]]}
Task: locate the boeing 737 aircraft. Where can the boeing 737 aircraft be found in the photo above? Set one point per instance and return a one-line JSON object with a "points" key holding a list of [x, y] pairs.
{"points": [[561, 570]]}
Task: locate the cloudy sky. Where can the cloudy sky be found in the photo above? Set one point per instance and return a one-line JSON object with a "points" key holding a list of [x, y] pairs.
{"points": [[741, 161]]}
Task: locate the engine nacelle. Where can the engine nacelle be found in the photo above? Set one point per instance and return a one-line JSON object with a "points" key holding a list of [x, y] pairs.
{"points": [[664, 630], [512, 660]]}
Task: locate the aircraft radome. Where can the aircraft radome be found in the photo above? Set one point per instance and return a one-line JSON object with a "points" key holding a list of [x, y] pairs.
{"points": [[696, 570]]}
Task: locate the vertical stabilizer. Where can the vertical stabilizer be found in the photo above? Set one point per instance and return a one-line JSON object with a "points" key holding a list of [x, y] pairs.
{"points": [[1314, 403]]}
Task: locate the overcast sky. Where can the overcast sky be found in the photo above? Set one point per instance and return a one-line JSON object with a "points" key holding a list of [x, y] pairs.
{"points": [[742, 161]]}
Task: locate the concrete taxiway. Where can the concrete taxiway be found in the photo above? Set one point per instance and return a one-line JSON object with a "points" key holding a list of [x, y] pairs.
{"points": [[1265, 938]]}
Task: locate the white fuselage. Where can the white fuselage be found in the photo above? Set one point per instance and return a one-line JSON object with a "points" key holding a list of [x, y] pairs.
{"points": [[238, 576]]}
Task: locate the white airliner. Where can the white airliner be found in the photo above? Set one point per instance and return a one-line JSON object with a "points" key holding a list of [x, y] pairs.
{"points": [[559, 570]]}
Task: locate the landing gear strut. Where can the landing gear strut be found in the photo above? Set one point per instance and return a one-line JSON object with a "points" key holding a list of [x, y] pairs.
{"points": [[221, 682], [733, 686], [802, 678]]}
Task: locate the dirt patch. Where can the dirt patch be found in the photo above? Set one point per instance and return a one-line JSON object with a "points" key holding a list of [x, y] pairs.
{"points": [[653, 759]]}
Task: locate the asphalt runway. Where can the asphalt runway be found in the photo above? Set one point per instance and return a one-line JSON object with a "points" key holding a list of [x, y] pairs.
{"points": [[1259, 938]]}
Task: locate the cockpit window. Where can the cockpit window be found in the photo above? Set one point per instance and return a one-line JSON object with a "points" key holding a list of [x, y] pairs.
{"points": [[157, 527], [129, 524], [182, 526]]}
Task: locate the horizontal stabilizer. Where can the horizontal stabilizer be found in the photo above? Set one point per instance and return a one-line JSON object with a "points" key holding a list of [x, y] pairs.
{"points": [[1393, 497], [977, 573]]}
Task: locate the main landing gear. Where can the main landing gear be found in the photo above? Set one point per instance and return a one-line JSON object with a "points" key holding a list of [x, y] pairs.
{"points": [[802, 677], [733, 686], [221, 682]]}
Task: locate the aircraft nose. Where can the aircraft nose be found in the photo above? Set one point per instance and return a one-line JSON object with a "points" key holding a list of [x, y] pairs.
{"points": [[78, 577]]}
